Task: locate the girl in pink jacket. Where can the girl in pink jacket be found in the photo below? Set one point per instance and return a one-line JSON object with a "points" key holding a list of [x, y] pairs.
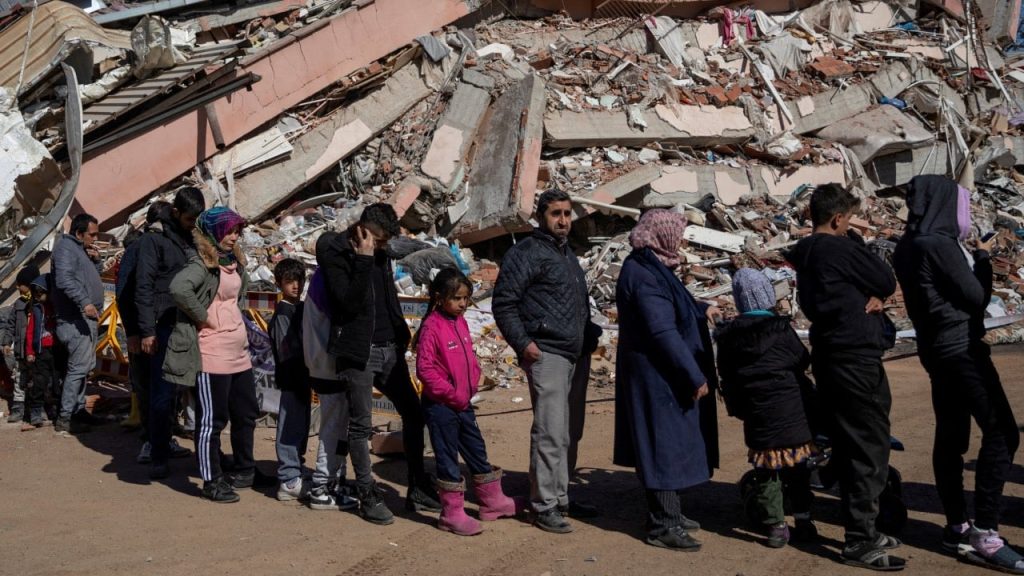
{"points": [[448, 369]]}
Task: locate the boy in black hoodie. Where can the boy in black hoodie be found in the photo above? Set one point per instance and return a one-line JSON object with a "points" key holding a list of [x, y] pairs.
{"points": [[841, 286], [946, 291]]}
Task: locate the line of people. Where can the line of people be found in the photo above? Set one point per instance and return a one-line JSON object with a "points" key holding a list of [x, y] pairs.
{"points": [[182, 287]]}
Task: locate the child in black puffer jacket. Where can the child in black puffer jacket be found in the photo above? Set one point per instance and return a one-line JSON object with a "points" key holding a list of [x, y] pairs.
{"points": [[762, 365]]}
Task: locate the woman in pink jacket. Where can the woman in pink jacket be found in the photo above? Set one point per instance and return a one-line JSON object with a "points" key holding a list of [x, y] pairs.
{"points": [[448, 369]]}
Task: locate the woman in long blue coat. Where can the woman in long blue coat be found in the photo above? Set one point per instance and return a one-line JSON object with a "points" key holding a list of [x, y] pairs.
{"points": [[665, 414]]}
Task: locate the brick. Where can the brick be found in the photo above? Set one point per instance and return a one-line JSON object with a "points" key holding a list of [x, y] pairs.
{"points": [[717, 95], [829, 67]]}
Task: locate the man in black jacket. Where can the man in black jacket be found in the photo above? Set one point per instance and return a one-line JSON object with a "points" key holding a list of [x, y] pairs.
{"points": [[369, 338], [841, 287], [946, 291], [541, 307], [161, 255]]}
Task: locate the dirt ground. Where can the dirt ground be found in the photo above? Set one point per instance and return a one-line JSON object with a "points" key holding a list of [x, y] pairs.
{"points": [[82, 506]]}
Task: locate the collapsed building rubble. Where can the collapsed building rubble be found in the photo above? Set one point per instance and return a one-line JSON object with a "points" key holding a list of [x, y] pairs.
{"points": [[460, 114]]}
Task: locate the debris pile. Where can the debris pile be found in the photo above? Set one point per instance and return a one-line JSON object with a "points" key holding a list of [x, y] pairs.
{"points": [[460, 115]]}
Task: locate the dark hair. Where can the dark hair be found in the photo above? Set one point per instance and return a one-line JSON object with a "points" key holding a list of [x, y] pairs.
{"points": [[289, 269], [549, 197], [80, 223], [830, 200], [445, 285], [189, 200], [382, 215], [158, 211]]}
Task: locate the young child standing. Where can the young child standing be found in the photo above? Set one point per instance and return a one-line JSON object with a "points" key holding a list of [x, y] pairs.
{"points": [[763, 365], [841, 287], [448, 369], [40, 328], [292, 379], [14, 336]]}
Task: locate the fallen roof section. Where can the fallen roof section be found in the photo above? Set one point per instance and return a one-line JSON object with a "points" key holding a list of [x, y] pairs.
{"points": [[58, 28]]}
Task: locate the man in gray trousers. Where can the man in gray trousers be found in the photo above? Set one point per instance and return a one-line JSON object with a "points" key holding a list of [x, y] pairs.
{"points": [[542, 309], [78, 300]]}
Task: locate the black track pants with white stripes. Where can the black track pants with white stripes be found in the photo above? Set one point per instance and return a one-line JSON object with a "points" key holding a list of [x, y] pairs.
{"points": [[223, 398]]}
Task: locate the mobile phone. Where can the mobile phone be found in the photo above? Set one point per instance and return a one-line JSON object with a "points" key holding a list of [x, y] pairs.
{"points": [[988, 236]]}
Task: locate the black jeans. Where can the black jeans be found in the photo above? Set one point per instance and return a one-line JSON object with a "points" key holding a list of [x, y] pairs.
{"points": [[161, 400], [388, 372], [224, 398], [854, 392], [40, 381], [451, 434], [966, 385]]}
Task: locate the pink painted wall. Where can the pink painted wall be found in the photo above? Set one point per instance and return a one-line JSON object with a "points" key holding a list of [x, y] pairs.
{"points": [[117, 177]]}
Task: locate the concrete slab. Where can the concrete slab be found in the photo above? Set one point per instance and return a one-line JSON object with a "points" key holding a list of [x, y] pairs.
{"points": [[503, 176], [687, 184], [687, 125], [897, 169], [611, 192], [780, 184], [878, 131], [455, 133], [322, 148]]}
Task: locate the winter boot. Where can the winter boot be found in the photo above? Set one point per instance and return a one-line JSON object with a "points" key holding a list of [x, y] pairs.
{"points": [[494, 503], [453, 513], [17, 412]]}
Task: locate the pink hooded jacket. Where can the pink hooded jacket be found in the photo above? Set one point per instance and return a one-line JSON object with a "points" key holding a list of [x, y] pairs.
{"points": [[445, 362]]}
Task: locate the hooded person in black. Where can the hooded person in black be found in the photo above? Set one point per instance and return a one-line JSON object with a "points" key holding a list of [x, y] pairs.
{"points": [[841, 286], [946, 291]]}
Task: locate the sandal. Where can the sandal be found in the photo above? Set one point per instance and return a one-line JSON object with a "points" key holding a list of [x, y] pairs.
{"points": [[886, 542], [874, 558], [1004, 560]]}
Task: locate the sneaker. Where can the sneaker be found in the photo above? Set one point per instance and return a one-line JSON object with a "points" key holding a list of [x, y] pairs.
{"points": [[346, 502], [372, 507], [552, 521], [177, 450], [37, 418], [421, 499], [320, 498], [159, 471], [675, 538], [579, 510], [62, 425], [219, 491], [145, 454], [294, 489], [778, 535], [872, 556], [957, 541]]}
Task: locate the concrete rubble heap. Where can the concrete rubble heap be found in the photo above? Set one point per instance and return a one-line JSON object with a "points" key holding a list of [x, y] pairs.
{"points": [[460, 113]]}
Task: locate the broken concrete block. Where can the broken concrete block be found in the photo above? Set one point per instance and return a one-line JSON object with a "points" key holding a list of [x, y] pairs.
{"points": [[897, 169], [611, 192], [780, 184], [503, 178], [687, 184], [714, 239], [455, 132], [30, 179], [322, 148], [687, 125], [881, 130], [478, 79]]}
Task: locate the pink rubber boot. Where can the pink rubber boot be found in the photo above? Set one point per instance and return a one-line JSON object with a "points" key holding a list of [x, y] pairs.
{"points": [[453, 512], [494, 503]]}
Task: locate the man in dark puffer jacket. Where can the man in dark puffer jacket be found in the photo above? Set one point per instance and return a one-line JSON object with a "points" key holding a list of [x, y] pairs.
{"points": [[541, 307]]}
